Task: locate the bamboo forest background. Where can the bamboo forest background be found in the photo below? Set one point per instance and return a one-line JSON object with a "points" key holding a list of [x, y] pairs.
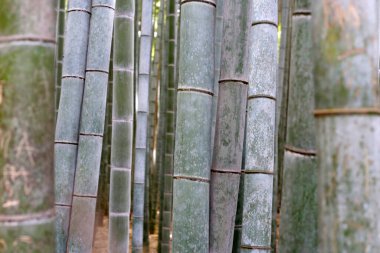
{"points": [[189, 126]]}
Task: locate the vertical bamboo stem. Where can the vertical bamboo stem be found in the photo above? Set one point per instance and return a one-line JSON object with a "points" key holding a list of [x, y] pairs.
{"points": [[27, 49], [169, 125], [69, 110], [347, 114], [298, 228], [229, 129], [142, 125], [122, 126], [192, 157], [282, 109], [61, 13], [91, 127], [260, 139]]}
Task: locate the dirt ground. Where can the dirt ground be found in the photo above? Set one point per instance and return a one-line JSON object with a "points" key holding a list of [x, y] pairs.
{"points": [[101, 239]]}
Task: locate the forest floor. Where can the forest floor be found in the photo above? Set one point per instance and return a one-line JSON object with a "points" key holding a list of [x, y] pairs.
{"points": [[101, 239]]}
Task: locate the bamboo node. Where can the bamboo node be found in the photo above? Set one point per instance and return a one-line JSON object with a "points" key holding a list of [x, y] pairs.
{"points": [[197, 90], [200, 1], [249, 171], [198, 179], [346, 111], [300, 151], [264, 22], [233, 81], [28, 217]]}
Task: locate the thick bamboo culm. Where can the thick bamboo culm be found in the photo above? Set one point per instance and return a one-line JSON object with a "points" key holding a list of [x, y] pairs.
{"points": [[69, 110], [142, 125], [82, 218], [169, 125], [122, 126], [192, 156], [298, 227], [230, 123], [27, 49], [260, 138], [346, 51]]}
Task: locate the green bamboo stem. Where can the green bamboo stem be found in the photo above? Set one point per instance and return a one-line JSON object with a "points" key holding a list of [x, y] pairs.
{"points": [[82, 216], [69, 110], [61, 13], [169, 125], [155, 174], [162, 114], [192, 157], [298, 228], [142, 126], [218, 53], [347, 114], [282, 105], [122, 126], [27, 49], [260, 139], [229, 129]]}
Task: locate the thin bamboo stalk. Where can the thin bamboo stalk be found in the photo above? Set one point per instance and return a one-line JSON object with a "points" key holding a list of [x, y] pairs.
{"points": [[61, 13], [169, 125], [282, 105], [192, 157], [27, 49], [162, 115], [347, 114], [69, 110], [298, 228], [229, 129], [82, 216], [142, 125], [218, 53], [260, 138], [122, 126]]}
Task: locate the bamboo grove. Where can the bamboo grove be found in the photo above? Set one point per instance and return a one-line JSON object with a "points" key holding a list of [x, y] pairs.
{"points": [[189, 126]]}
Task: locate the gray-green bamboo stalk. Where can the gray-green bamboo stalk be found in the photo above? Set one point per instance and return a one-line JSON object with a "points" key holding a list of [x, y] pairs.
{"points": [[298, 227], [347, 115], [230, 126], [82, 218], [27, 49], [260, 138], [169, 125], [122, 126], [61, 17], [142, 125], [192, 157], [281, 115], [69, 110], [218, 53], [162, 115], [153, 111]]}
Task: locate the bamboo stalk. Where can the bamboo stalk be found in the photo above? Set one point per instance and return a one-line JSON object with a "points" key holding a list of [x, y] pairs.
{"points": [[27, 49], [91, 127], [192, 157], [346, 77], [169, 125], [69, 110], [122, 126], [229, 130], [61, 13], [282, 108], [218, 34], [260, 139], [298, 228], [142, 125]]}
